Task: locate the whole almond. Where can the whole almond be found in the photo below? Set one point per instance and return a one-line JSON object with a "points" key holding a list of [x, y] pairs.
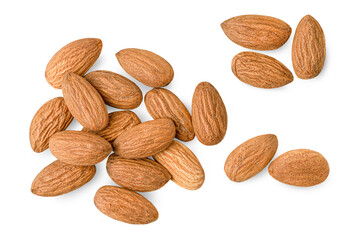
{"points": [[183, 166], [257, 32], [116, 90], [260, 70], [76, 57], [209, 114], [146, 67], [162, 103], [119, 122], [59, 178], [251, 157], [125, 205], [84, 102], [141, 175], [308, 49], [79, 148], [52, 117], [301, 167]]}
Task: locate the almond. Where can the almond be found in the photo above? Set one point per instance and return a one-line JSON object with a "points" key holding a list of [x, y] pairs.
{"points": [[79, 148], [183, 166], [84, 102], [125, 205], [76, 57], [145, 139], [301, 167], [116, 90], [251, 157], [141, 175], [59, 178], [162, 103], [209, 115], [308, 49], [52, 117], [257, 32], [146, 67], [260, 70]]}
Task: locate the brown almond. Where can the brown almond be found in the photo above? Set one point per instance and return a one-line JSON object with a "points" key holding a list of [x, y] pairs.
{"points": [[52, 117], [146, 67], [162, 103], [76, 57], [251, 157], [260, 70]]}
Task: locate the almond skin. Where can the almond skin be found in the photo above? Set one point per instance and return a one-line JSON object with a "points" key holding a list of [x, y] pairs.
{"points": [[119, 122], [76, 57], [209, 114], [141, 175], [308, 49], [260, 70], [59, 178], [145, 139], [257, 32], [251, 157], [301, 167], [52, 117], [162, 103], [79, 148], [84, 102], [125, 205], [183, 166], [116, 90], [146, 67]]}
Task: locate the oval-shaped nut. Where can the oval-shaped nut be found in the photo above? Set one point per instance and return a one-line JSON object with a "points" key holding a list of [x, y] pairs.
{"points": [[260, 70], [59, 178], [301, 167], [183, 166], [125, 205], [308, 49], [145, 139], [141, 175], [209, 114], [119, 122], [162, 103], [84, 102], [146, 67], [76, 57], [79, 148], [116, 90], [257, 32], [52, 117], [251, 157]]}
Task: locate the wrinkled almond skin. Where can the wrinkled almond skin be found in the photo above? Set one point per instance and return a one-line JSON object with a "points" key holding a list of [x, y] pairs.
{"points": [[162, 103], [76, 57], [79, 148], [209, 116], [251, 157], [145, 139], [125, 205], [52, 117], [183, 166], [308, 49], [119, 122], [84, 102], [260, 70], [257, 32], [116, 90], [59, 178], [146, 67], [301, 167], [141, 175]]}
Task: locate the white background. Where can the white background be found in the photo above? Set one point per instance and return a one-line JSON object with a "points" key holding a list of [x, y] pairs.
{"points": [[317, 114]]}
